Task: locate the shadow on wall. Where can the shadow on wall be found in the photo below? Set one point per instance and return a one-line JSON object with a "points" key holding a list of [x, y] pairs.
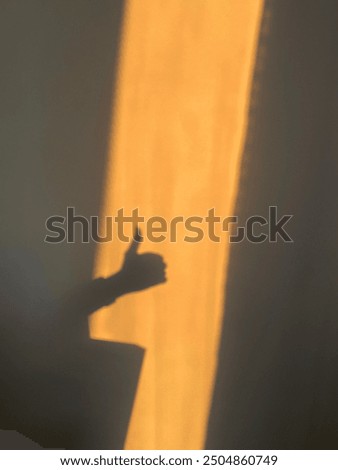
{"points": [[59, 388], [277, 383], [59, 66]]}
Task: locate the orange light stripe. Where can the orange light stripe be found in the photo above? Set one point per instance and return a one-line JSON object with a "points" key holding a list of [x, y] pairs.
{"points": [[179, 126]]}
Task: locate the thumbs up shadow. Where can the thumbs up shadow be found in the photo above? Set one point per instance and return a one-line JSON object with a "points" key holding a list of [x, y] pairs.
{"points": [[138, 272], [141, 271]]}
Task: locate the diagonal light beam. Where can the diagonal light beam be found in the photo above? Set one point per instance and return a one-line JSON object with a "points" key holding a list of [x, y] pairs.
{"points": [[179, 126]]}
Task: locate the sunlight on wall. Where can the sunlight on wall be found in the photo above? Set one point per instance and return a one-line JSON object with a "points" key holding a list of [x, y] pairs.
{"points": [[178, 128]]}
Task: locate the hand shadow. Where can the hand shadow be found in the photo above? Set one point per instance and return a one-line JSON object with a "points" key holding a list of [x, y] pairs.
{"points": [[138, 272]]}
